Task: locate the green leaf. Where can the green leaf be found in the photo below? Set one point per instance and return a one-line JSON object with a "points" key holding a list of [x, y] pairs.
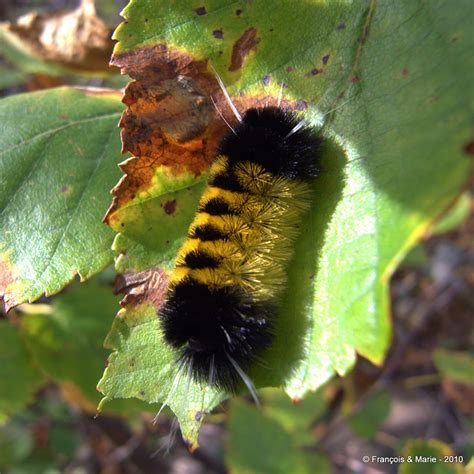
{"points": [[148, 232], [39, 439], [367, 421], [144, 367], [416, 257], [67, 344], [58, 159], [19, 377], [397, 128], [428, 457], [276, 451], [296, 417], [10, 77], [456, 215], [456, 365], [16, 443]]}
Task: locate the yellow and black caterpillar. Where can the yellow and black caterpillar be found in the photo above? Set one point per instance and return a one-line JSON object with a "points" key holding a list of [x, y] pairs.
{"points": [[224, 292]]}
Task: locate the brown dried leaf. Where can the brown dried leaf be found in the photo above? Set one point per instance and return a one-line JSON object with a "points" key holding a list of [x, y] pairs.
{"points": [[170, 119], [149, 285], [76, 40]]}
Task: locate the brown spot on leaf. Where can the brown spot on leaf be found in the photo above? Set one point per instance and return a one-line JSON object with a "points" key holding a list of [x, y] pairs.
{"points": [[218, 34], [468, 148], [142, 392], [64, 189], [238, 12], [266, 80], [169, 207], [289, 69], [242, 47], [200, 11], [341, 26], [315, 71], [199, 415], [138, 287], [325, 59], [355, 79], [404, 71]]}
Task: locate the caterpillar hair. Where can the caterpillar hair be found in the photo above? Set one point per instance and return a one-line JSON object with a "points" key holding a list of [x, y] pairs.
{"points": [[224, 292]]}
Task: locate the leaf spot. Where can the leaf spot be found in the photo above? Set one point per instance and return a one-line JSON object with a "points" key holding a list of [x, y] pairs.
{"points": [[266, 80], [341, 26], [325, 59], [200, 11], [218, 34], [242, 47], [404, 71], [199, 415], [238, 12], [469, 148], [314, 72], [170, 207]]}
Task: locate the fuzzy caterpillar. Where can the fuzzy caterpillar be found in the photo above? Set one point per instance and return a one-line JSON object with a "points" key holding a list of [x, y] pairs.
{"points": [[224, 292]]}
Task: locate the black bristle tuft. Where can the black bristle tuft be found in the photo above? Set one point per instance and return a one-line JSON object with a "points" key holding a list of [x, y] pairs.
{"points": [[264, 137], [206, 232], [207, 324], [199, 259], [216, 207]]}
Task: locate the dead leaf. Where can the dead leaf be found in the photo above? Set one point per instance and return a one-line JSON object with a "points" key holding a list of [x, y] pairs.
{"points": [[147, 285], [76, 40], [170, 119]]}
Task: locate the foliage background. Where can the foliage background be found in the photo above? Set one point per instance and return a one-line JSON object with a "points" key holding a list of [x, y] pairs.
{"points": [[53, 356]]}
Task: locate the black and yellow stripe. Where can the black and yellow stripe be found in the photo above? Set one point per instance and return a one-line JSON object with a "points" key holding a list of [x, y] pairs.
{"points": [[224, 291]]}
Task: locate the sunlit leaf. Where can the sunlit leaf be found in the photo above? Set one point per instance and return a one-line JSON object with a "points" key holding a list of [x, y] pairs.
{"points": [[58, 160], [398, 142]]}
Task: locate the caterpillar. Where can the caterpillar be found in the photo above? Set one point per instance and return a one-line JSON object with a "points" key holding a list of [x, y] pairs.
{"points": [[225, 289]]}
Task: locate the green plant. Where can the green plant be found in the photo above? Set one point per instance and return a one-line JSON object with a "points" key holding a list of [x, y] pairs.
{"points": [[388, 81]]}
